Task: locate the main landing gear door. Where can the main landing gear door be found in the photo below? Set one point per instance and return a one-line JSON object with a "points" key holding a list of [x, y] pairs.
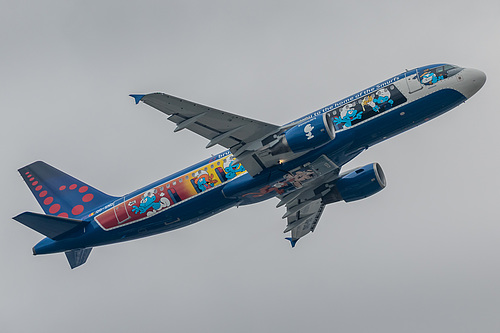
{"points": [[413, 81], [121, 211]]}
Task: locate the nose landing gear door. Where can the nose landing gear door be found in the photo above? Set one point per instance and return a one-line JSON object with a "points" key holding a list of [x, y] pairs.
{"points": [[413, 81]]}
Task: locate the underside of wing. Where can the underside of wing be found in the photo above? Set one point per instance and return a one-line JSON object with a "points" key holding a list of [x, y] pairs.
{"points": [[305, 205], [304, 221]]}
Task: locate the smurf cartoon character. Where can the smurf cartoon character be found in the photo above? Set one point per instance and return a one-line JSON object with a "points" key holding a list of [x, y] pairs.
{"points": [[429, 78], [383, 96], [368, 100], [308, 130], [204, 181], [231, 169], [147, 202], [347, 115]]}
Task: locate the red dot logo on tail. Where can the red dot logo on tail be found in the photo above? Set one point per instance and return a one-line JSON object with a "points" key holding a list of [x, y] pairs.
{"points": [[54, 208], [77, 210], [88, 197]]}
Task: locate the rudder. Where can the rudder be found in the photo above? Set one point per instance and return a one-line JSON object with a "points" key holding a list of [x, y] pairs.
{"points": [[60, 194]]}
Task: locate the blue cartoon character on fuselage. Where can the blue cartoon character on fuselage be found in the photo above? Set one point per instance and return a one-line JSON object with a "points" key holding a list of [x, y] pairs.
{"points": [[204, 181], [347, 115], [429, 78], [148, 201], [231, 170], [383, 96]]}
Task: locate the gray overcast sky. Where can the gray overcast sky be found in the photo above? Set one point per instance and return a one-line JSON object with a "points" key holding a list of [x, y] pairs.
{"points": [[420, 256]]}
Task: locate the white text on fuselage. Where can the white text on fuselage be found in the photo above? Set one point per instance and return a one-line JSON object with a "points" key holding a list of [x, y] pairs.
{"points": [[358, 95]]}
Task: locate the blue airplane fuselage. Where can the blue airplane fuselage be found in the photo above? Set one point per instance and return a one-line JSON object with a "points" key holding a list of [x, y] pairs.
{"points": [[211, 186]]}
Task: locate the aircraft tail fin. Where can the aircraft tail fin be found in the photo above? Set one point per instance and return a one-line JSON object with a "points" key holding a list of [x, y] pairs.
{"points": [[59, 193], [54, 227], [77, 257]]}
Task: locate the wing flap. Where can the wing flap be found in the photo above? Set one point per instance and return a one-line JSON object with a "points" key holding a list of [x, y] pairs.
{"points": [[305, 220]]}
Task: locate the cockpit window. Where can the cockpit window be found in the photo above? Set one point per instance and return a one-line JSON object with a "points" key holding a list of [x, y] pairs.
{"points": [[432, 76]]}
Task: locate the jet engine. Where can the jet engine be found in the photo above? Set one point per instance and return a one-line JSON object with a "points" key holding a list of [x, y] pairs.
{"points": [[358, 184], [307, 135]]}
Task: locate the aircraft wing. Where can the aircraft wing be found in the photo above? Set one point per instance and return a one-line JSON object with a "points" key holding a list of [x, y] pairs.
{"points": [[305, 205], [239, 134], [304, 221]]}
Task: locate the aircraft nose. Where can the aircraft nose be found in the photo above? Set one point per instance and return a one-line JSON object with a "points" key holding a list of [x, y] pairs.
{"points": [[472, 81]]}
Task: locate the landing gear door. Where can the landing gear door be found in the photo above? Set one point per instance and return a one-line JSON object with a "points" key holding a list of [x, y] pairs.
{"points": [[413, 81]]}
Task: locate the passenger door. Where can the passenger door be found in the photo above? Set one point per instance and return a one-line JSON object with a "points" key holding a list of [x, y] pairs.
{"points": [[413, 81]]}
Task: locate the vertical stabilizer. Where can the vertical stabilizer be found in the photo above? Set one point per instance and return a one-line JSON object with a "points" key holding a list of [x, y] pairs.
{"points": [[60, 194]]}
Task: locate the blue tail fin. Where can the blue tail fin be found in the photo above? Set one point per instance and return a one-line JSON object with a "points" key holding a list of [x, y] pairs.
{"points": [[59, 194]]}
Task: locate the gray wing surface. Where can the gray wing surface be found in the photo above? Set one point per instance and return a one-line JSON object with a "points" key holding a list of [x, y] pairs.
{"points": [[220, 127], [243, 136], [305, 205], [304, 221]]}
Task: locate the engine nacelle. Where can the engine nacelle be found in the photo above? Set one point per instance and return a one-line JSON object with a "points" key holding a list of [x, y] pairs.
{"points": [[359, 184], [307, 135]]}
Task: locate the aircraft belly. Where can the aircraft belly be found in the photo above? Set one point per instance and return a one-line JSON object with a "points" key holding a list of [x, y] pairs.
{"points": [[248, 190]]}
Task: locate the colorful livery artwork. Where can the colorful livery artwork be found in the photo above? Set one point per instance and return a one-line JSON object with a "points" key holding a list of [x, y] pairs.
{"points": [[158, 198], [367, 107]]}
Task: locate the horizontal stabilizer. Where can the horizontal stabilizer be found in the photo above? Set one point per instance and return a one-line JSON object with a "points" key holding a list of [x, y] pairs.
{"points": [[77, 257], [53, 227]]}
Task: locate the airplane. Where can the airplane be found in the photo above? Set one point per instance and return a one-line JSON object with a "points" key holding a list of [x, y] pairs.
{"points": [[300, 163]]}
